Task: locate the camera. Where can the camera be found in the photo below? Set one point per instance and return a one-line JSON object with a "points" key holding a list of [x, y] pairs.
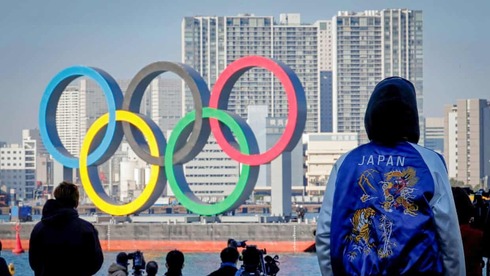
{"points": [[256, 260], [271, 265], [138, 261], [236, 244]]}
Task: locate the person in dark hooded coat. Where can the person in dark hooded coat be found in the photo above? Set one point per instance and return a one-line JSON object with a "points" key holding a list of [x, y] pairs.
{"points": [[62, 243], [388, 207]]}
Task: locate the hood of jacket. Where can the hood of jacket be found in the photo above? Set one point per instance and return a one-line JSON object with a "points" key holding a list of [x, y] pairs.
{"points": [[55, 213], [391, 114], [117, 267]]}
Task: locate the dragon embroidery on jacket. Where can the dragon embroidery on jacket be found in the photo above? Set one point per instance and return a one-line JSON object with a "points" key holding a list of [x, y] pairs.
{"points": [[398, 191]]}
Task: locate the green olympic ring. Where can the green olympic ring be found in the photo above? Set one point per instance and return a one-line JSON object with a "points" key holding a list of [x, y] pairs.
{"points": [[248, 175]]}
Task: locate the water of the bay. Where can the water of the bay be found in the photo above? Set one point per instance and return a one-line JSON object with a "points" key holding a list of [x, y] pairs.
{"points": [[195, 263]]}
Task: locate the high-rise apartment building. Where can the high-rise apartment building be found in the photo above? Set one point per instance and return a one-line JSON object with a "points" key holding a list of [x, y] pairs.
{"points": [[325, 48], [467, 140], [68, 119], [80, 104], [210, 43], [92, 105], [367, 47], [165, 102], [326, 103], [325, 80]]}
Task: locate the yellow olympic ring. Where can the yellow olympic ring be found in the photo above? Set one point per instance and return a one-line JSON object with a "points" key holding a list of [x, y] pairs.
{"points": [[105, 203]]}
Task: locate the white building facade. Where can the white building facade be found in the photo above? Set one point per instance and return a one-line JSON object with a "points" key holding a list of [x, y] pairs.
{"points": [[467, 140], [434, 134], [322, 151], [19, 164]]}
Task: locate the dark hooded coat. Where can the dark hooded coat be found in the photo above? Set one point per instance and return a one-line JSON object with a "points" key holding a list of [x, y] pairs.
{"points": [[63, 244]]}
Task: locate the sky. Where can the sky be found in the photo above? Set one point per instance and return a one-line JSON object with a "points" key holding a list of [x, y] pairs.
{"points": [[40, 38]]}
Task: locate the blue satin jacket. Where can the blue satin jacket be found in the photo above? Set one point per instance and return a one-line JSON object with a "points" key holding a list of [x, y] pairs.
{"points": [[389, 211]]}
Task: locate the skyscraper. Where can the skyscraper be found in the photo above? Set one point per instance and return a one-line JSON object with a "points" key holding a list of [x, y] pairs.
{"points": [[165, 102], [325, 74], [68, 119], [210, 43], [467, 136], [367, 47]]}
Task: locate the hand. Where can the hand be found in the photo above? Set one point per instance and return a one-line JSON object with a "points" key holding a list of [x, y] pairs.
{"points": [[12, 269]]}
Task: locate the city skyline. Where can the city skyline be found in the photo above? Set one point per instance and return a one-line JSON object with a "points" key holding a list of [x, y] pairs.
{"points": [[40, 39], [212, 43]]}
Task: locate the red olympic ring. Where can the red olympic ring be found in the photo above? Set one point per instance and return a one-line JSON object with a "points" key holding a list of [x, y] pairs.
{"points": [[296, 102]]}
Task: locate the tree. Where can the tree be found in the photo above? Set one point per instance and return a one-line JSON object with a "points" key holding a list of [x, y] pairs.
{"points": [[456, 183]]}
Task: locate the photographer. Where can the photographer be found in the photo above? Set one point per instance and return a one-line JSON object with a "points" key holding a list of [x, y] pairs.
{"points": [[300, 211], [174, 263], [229, 258], [251, 260], [151, 268], [120, 267]]}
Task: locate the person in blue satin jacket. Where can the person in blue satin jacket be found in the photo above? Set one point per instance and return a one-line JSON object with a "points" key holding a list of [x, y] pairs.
{"points": [[388, 207]]}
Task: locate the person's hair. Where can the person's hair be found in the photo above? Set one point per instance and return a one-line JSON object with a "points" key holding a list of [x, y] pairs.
{"points": [[464, 207], [67, 194], [251, 255], [175, 260], [229, 255], [151, 268], [122, 258], [1, 246]]}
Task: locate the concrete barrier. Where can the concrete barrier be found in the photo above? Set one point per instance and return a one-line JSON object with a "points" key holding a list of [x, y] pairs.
{"points": [[190, 237]]}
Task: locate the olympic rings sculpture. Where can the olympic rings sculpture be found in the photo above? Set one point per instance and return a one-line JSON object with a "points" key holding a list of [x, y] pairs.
{"points": [[166, 158]]}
